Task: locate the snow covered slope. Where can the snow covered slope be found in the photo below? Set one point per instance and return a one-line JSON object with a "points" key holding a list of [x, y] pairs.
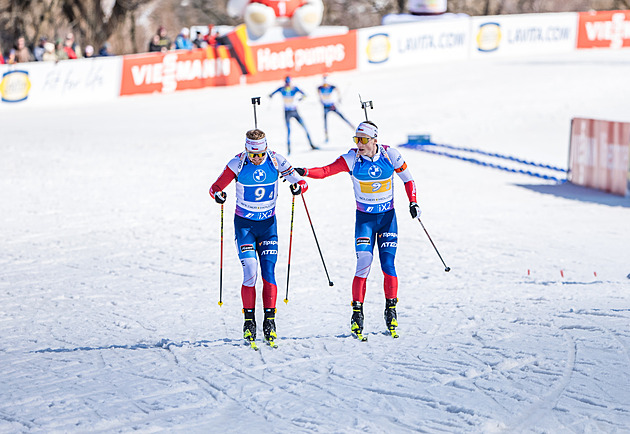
{"points": [[109, 265]]}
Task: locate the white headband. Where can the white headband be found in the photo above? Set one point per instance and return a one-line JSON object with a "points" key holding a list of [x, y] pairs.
{"points": [[259, 145], [368, 129]]}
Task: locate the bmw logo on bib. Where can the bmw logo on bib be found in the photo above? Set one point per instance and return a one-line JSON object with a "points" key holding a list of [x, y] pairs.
{"points": [[259, 175], [374, 171]]}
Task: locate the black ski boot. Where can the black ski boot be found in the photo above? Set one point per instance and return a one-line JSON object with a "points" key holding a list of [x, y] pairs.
{"points": [[391, 318], [356, 323], [269, 327], [249, 327]]}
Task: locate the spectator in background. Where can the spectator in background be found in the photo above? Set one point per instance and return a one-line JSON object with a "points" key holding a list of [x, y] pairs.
{"points": [[11, 59], [183, 42], [1, 56], [49, 52], [22, 53], [199, 41], [69, 47], [154, 45], [89, 51], [75, 45], [39, 49], [211, 37], [106, 50], [165, 42], [60, 50]]}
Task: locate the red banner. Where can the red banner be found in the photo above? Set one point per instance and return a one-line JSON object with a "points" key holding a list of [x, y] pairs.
{"points": [[599, 154], [178, 70], [607, 29], [304, 56]]}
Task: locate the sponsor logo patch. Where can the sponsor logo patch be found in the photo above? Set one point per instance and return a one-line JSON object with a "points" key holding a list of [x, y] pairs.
{"points": [[247, 248], [363, 240]]}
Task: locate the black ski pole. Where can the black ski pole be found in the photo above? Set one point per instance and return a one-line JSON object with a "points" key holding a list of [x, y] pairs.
{"points": [[221, 267], [316, 242], [255, 100], [446, 268], [286, 297]]}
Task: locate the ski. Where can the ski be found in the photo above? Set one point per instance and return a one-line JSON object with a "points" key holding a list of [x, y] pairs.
{"points": [[252, 344], [359, 336], [393, 333], [271, 343]]}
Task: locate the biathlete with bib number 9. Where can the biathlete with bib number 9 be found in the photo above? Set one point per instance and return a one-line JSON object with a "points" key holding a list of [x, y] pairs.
{"points": [[256, 173], [372, 167]]}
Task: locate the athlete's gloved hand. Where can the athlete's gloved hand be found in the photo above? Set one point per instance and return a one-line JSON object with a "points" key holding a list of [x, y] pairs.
{"points": [[220, 197], [299, 187], [301, 171], [414, 210]]}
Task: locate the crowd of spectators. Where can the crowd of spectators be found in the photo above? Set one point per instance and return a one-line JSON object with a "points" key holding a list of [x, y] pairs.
{"points": [[67, 48], [49, 51]]}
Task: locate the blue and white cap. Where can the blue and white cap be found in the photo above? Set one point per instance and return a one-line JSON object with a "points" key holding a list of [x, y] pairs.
{"points": [[256, 146], [367, 129]]}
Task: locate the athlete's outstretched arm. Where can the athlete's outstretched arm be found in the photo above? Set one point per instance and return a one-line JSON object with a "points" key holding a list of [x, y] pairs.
{"points": [[223, 181], [337, 166]]}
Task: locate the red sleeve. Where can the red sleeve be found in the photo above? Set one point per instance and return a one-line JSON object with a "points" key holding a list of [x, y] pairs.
{"points": [[223, 181], [410, 188], [337, 166]]}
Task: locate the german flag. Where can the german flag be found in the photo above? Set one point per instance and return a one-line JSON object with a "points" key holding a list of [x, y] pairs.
{"points": [[243, 54]]}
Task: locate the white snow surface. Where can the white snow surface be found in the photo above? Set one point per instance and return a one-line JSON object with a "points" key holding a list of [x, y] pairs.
{"points": [[110, 258]]}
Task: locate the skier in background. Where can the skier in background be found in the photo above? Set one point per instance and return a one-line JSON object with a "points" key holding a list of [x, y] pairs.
{"points": [[256, 173], [327, 96], [289, 94], [371, 167]]}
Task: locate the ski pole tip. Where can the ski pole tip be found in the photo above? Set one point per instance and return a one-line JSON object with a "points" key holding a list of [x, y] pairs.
{"points": [[286, 301], [447, 269], [331, 284], [220, 303]]}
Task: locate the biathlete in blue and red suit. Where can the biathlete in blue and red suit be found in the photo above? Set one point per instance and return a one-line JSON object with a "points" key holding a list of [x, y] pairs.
{"points": [[289, 95], [372, 167], [256, 173], [327, 93]]}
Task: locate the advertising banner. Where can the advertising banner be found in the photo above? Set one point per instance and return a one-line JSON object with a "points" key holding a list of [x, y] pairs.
{"points": [[59, 83], [608, 29], [599, 154], [304, 56], [178, 70], [409, 44], [516, 35]]}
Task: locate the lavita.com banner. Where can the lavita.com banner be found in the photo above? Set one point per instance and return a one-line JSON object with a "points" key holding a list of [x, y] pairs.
{"points": [[518, 35], [599, 155]]}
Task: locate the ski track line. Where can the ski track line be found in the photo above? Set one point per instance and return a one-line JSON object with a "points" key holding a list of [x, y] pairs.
{"points": [[547, 401]]}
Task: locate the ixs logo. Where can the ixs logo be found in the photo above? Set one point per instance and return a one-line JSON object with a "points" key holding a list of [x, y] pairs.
{"points": [[247, 248], [15, 86], [363, 240], [171, 71], [288, 58]]}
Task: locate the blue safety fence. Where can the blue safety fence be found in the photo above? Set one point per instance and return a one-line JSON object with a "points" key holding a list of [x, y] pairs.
{"points": [[432, 148]]}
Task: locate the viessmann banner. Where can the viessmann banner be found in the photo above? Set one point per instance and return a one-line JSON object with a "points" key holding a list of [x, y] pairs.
{"points": [[178, 70], [609, 29]]}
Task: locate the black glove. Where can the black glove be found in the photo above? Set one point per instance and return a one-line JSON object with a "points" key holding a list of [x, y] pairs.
{"points": [[220, 196], [414, 210], [301, 171], [295, 189]]}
